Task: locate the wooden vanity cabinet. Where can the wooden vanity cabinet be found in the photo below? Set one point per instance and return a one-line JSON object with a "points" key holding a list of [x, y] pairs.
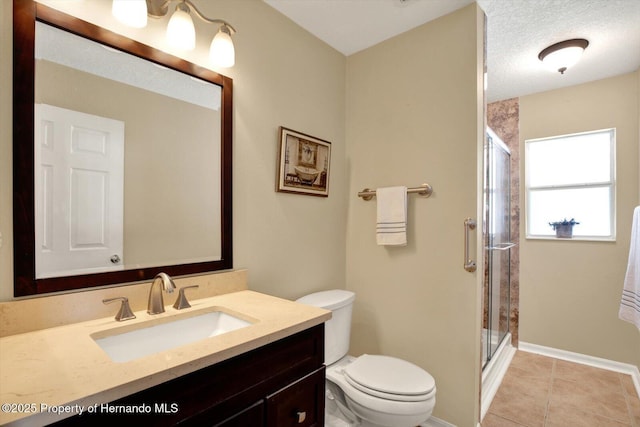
{"points": [[280, 384], [300, 403], [251, 416]]}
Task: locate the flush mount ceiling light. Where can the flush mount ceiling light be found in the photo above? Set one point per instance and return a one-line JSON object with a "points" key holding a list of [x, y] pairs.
{"points": [[563, 55], [181, 32]]}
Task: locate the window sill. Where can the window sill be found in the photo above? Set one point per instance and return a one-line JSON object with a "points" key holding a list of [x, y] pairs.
{"points": [[575, 238]]}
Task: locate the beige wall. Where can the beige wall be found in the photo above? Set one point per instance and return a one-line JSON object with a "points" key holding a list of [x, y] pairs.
{"points": [[570, 290], [414, 115], [283, 76]]}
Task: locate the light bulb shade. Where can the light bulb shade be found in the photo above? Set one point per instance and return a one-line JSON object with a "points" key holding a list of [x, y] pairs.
{"points": [[181, 33], [132, 13], [560, 56], [222, 53]]}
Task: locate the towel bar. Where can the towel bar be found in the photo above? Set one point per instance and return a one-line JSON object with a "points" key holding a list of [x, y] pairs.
{"points": [[501, 246], [423, 190]]}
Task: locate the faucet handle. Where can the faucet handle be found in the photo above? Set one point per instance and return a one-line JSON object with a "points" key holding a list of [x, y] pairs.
{"points": [[181, 301], [125, 312]]}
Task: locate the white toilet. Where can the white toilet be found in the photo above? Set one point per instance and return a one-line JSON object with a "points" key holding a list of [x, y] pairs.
{"points": [[370, 390]]}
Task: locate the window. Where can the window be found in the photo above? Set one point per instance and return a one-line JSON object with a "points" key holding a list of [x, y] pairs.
{"points": [[571, 176]]}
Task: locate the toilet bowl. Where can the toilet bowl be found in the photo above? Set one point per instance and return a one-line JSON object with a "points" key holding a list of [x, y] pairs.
{"points": [[383, 390], [372, 390]]}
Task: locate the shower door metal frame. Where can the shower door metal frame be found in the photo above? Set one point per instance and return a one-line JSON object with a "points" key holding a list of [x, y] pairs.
{"points": [[493, 244]]}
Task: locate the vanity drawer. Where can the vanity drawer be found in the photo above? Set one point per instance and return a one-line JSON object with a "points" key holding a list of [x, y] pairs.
{"points": [[252, 416], [298, 404]]}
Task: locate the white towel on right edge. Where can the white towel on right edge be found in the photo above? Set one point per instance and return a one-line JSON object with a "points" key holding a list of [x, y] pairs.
{"points": [[630, 304], [391, 221]]}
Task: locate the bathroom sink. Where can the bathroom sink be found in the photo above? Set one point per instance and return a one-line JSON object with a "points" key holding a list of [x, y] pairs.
{"points": [[145, 339]]}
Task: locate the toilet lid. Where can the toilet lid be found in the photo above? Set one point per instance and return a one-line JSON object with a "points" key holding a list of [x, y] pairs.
{"points": [[385, 375]]}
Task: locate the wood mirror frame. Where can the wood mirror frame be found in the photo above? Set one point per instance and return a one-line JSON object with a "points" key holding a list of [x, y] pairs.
{"points": [[25, 14]]}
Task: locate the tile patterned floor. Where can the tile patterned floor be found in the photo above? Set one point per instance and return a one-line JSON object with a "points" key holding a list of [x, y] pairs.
{"points": [[539, 391]]}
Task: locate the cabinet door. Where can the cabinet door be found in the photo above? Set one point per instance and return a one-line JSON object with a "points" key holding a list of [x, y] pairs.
{"points": [[253, 416], [300, 404]]}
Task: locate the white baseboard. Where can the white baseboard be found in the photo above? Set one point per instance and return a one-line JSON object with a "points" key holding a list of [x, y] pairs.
{"points": [[597, 362], [436, 422]]}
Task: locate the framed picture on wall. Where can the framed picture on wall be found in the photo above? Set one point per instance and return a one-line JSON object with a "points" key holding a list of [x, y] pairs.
{"points": [[303, 164]]}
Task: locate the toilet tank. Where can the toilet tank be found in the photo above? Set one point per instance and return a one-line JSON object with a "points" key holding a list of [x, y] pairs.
{"points": [[337, 330]]}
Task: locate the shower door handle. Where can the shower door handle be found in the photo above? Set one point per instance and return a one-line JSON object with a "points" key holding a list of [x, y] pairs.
{"points": [[469, 264]]}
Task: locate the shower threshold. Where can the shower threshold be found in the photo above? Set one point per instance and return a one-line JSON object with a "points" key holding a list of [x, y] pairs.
{"points": [[494, 371]]}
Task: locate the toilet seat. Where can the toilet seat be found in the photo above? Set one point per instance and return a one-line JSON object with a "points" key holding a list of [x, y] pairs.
{"points": [[384, 404], [390, 378]]}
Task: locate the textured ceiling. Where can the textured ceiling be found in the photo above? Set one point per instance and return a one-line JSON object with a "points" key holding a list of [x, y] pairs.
{"points": [[517, 30]]}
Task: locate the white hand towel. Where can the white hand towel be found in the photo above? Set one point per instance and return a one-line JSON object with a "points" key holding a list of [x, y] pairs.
{"points": [[391, 225], [630, 304]]}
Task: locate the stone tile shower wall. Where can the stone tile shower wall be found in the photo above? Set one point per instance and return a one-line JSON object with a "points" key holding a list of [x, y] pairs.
{"points": [[503, 117]]}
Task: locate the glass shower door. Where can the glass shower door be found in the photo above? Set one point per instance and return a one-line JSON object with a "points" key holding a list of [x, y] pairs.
{"points": [[497, 237]]}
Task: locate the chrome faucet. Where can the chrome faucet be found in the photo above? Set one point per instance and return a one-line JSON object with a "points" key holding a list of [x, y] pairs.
{"points": [[156, 302]]}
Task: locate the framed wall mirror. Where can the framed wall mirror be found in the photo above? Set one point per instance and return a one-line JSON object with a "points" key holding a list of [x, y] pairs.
{"points": [[121, 158]]}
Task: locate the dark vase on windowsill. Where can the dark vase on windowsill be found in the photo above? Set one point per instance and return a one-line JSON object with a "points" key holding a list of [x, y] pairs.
{"points": [[564, 228]]}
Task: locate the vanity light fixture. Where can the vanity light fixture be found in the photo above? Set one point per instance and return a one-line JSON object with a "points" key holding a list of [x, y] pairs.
{"points": [[181, 32], [562, 55]]}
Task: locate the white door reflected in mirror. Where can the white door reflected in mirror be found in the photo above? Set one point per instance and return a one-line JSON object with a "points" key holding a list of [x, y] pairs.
{"points": [[79, 192]]}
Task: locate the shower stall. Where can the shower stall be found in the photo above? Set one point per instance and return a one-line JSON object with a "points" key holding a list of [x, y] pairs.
{"points": [[497, 244]]}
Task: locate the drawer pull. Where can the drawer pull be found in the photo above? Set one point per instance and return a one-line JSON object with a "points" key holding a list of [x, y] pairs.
{"points": [[301, 416]]}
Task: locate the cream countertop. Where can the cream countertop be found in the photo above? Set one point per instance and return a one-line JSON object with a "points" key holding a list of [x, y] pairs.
{"points": [[63, 368]]}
